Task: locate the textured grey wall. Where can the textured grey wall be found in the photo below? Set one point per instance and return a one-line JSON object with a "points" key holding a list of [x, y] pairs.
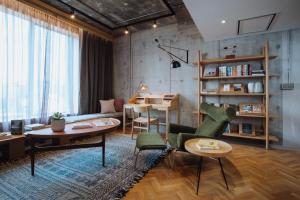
{"points": [[137, 58]]}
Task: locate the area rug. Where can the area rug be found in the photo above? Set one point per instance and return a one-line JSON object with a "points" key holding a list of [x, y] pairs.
{"points": [[77, 174]]}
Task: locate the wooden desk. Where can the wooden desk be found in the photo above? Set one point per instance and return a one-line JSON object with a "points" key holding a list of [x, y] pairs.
{"points": [[13, 146], [160, 102]]}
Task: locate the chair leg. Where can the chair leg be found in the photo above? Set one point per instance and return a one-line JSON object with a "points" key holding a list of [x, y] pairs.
{"points": [[132, 129], [173, 158], [137, 155], [134, 150]]}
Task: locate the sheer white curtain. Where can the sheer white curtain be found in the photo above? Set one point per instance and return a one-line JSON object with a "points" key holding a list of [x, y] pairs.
{"points": [[39, 68]]}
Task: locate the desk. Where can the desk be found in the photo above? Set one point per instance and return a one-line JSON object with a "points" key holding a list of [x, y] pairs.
{"points": [[160, 102]]}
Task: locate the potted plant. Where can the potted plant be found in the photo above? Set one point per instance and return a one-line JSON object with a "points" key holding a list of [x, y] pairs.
{"points": [[58, 123]]}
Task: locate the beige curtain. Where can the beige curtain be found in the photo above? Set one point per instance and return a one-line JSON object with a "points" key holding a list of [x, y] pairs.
{"points": [[38, 16]]}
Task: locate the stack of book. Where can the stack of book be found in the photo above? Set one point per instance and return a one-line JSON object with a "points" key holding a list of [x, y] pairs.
{"points": [[259, 72], [33, 127]]}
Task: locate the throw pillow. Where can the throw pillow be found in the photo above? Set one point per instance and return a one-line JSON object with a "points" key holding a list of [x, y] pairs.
{"points": [[107, 106], [119, 104]]}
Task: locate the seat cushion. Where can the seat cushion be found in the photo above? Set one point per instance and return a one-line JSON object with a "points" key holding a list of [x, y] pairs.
{"points": [[147, 140]]}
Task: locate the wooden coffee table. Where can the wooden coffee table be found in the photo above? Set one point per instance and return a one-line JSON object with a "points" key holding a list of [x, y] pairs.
{"points": [[224, 149], [47, 133]]}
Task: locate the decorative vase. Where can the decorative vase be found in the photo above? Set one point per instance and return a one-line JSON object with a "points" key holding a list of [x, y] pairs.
{"points": [[58, 125], [258, 87], [251, 87]]}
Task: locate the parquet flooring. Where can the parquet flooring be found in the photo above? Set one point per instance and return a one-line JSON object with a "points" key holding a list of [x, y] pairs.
{"points": [[253, 173]]}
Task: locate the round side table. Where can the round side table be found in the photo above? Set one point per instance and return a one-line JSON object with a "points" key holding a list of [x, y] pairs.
{"points": [[192, 146]]}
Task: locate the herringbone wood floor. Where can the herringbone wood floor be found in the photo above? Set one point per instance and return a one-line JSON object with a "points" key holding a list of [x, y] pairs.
{"points": [[252, 173]]}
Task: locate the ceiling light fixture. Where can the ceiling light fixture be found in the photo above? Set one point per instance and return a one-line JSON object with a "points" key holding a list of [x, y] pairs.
{"points": [[223, 21], [72, 16], [154, 24], [126, 31]]}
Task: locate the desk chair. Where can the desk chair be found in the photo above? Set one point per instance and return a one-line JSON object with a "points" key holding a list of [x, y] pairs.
{"points": [[140, 122]]}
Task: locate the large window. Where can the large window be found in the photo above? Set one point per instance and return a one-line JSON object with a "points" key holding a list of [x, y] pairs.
{"points": [[39, 68]]}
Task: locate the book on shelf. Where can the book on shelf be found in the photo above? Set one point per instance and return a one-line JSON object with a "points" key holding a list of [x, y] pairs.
{"points": [[208, 145], [239, 70]]}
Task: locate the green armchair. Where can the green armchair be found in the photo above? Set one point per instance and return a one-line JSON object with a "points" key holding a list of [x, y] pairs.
{"points": [[213, 126]]}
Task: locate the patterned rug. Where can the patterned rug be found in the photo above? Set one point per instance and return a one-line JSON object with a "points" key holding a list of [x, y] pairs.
{"points": [[77, 174]]}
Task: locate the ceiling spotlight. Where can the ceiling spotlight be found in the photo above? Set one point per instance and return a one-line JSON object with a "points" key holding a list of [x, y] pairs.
{"points": [[72, 16], [126, 31], [154, 24], [223, 21]]}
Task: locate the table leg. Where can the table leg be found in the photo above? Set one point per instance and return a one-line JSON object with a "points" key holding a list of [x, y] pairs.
{"points": [[224, 177], [199, 173], [124, 120], [103, 150], [32, 151], [167, 123]]}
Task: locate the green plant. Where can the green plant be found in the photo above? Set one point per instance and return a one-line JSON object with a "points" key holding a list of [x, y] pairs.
{"points": [[57, 116]]}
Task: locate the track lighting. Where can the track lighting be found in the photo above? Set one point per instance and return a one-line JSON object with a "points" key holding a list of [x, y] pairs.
{"points": [[72, 16], [126, 31], [154, 24]]}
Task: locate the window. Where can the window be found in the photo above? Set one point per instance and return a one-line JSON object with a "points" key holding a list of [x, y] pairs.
{"points": [[39, 68]]}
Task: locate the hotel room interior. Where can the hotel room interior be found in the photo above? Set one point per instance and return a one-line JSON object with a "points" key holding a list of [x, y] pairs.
{"points": [[152, 99]]}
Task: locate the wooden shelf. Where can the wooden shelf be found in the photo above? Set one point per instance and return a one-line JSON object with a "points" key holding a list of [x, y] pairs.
{"points": [[233, 60], [232, 77], [243, 115], [232, 94], [249, 136], [202, 93]]}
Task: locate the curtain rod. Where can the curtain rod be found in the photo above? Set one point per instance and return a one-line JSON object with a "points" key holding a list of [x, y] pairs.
{"points": [[63, 16]]}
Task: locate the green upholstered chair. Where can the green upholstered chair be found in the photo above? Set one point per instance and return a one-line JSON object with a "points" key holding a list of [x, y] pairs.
{"points": [[213, 126]]}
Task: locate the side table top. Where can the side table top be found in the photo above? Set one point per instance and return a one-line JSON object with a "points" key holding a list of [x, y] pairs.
{"points": [[193, 147]]}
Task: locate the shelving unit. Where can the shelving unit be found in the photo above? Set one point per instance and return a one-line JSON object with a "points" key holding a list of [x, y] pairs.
{"points": [[265, 117]]}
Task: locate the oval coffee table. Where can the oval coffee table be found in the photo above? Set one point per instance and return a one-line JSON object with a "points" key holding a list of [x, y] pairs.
{"points": [[224, 149], [47, 133]]}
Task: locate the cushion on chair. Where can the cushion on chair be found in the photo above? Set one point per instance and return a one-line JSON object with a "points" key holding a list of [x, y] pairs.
{"points": [[147, 140]]}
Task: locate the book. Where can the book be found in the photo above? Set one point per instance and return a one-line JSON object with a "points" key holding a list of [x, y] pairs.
{"points": [[103, 122], [208, 145], [82, 126], [32, 127]]}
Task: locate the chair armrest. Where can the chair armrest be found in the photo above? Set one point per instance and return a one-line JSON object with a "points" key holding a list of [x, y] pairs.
{"points": [[183, 137], [176, 128]]}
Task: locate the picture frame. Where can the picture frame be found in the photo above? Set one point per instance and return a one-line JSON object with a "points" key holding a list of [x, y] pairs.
{"points": [[232, 87], [251, 108]]}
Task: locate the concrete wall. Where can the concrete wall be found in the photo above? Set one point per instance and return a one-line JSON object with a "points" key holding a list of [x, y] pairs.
{"points": [[136, 58]]}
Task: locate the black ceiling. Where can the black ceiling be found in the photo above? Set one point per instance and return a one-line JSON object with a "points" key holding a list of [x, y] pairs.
{"points": [[116, 14]]}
